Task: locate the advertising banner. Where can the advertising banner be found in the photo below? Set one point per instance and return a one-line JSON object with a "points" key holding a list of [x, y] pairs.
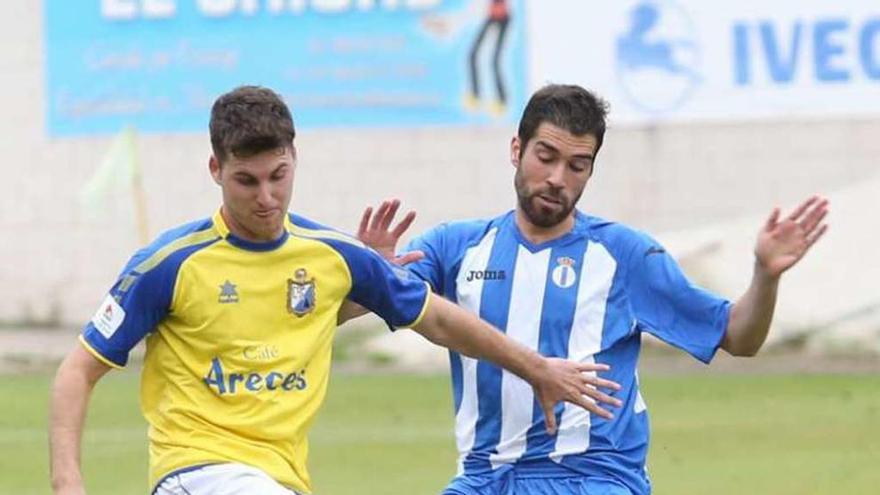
{"points": [[686, 60], [157, 65]]}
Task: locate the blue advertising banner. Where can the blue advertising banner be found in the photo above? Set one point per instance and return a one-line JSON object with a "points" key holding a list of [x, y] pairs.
{"points": [[158, 65], [692, 60]]}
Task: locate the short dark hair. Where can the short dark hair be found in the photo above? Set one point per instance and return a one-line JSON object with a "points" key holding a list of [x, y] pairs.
{"points": [[566, 106], [249, 120]]}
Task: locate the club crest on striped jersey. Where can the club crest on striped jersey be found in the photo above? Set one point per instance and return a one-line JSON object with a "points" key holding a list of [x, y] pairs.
{"points": [[564, 275], [300, 293]]}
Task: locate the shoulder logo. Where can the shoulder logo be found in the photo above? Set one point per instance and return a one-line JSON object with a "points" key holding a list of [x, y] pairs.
{"points": [[109, 317], [564, 275], [228, 294], [654, 250], [300, 293]]}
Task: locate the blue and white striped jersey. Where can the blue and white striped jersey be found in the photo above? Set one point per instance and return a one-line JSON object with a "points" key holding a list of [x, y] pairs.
{"points": [[586, 296]]}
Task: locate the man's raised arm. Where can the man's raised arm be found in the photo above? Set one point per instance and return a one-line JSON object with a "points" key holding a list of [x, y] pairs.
{"points": [[782, 242]]}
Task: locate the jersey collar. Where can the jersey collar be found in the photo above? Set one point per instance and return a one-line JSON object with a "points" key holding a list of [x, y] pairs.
{"points": [[580, 223], [245, 244]]}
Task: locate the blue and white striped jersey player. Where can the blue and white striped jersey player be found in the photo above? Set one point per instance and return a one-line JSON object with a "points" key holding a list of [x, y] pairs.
{"points": [[238, 311], [572, 285]]}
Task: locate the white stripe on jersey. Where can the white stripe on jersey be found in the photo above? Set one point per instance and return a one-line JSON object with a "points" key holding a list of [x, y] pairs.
{"points": [[596, 278], [523, 326], [640, 405], [468, 296]]}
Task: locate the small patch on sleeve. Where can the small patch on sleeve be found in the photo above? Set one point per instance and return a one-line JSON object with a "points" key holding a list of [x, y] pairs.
{"points": [[109, 317], [401, 273]]}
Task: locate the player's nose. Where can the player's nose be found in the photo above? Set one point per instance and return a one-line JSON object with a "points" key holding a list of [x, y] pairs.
{"points": [[555, 177], [264, 195]]}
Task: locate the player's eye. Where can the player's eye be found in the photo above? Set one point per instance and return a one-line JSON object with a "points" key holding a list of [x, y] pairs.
{"points": [[579, 166], [245, 180]]}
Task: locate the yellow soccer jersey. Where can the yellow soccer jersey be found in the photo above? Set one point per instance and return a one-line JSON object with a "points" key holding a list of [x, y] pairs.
{"points": [[239, 336]]}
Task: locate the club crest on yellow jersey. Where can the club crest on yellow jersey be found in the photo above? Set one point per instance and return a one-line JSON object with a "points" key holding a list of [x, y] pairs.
{"points": [[301, 293]]}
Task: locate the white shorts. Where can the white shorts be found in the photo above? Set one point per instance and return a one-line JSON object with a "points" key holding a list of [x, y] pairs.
{"points": [[221, 479]]}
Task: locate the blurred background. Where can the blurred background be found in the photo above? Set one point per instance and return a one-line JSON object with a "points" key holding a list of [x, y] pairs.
{"points": [[720, 111]]}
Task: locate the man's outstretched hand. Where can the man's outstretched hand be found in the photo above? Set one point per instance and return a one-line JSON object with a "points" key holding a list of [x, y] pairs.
{"points": [[374, 232], [782, 242]]}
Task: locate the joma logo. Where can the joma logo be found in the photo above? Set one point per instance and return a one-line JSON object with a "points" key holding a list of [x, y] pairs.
{"points": [[485, 275]]}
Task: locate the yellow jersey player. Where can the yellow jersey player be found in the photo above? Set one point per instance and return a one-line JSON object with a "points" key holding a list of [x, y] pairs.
{"points": [[239, 310]]}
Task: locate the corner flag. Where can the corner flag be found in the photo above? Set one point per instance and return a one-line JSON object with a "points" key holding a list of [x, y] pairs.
{"points": [[120, 168]]}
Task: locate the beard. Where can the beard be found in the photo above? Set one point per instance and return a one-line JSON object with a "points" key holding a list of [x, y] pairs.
{"points": [[538, 214]]}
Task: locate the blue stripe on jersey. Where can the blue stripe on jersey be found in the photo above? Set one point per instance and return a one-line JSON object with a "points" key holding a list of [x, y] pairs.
{"points": [[619, 446], [449, 290], [258, 246], [494, 306], [146, 287], [142, 256], [445, 247], [556, 322], [455, 372], [441, 271], [306, 223], [624, 355], [621, 352]]}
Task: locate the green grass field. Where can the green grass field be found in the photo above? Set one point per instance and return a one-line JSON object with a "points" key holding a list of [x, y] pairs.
{"points": [[392, 434]]}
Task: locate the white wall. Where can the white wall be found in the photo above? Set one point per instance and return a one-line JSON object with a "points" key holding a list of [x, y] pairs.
{"points": [[55, 262]]}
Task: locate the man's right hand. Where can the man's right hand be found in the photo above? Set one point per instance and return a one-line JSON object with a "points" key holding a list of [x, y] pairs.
{"points": [[374, 233], [573, 382]]}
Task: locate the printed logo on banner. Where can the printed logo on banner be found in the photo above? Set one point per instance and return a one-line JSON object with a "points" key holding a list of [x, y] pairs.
{"points": [[657, 56]]}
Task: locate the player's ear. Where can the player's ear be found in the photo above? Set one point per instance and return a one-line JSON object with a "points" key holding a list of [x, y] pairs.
{"points": [[214, 168], [515, 150]]}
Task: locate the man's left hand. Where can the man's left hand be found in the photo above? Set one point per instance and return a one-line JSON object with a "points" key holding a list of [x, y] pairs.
{"points": [[576, 383], [783, 242], [374, 232]]}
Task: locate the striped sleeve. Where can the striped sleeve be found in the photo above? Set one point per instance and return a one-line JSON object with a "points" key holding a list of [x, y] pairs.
{"points": [[141, 296]]}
